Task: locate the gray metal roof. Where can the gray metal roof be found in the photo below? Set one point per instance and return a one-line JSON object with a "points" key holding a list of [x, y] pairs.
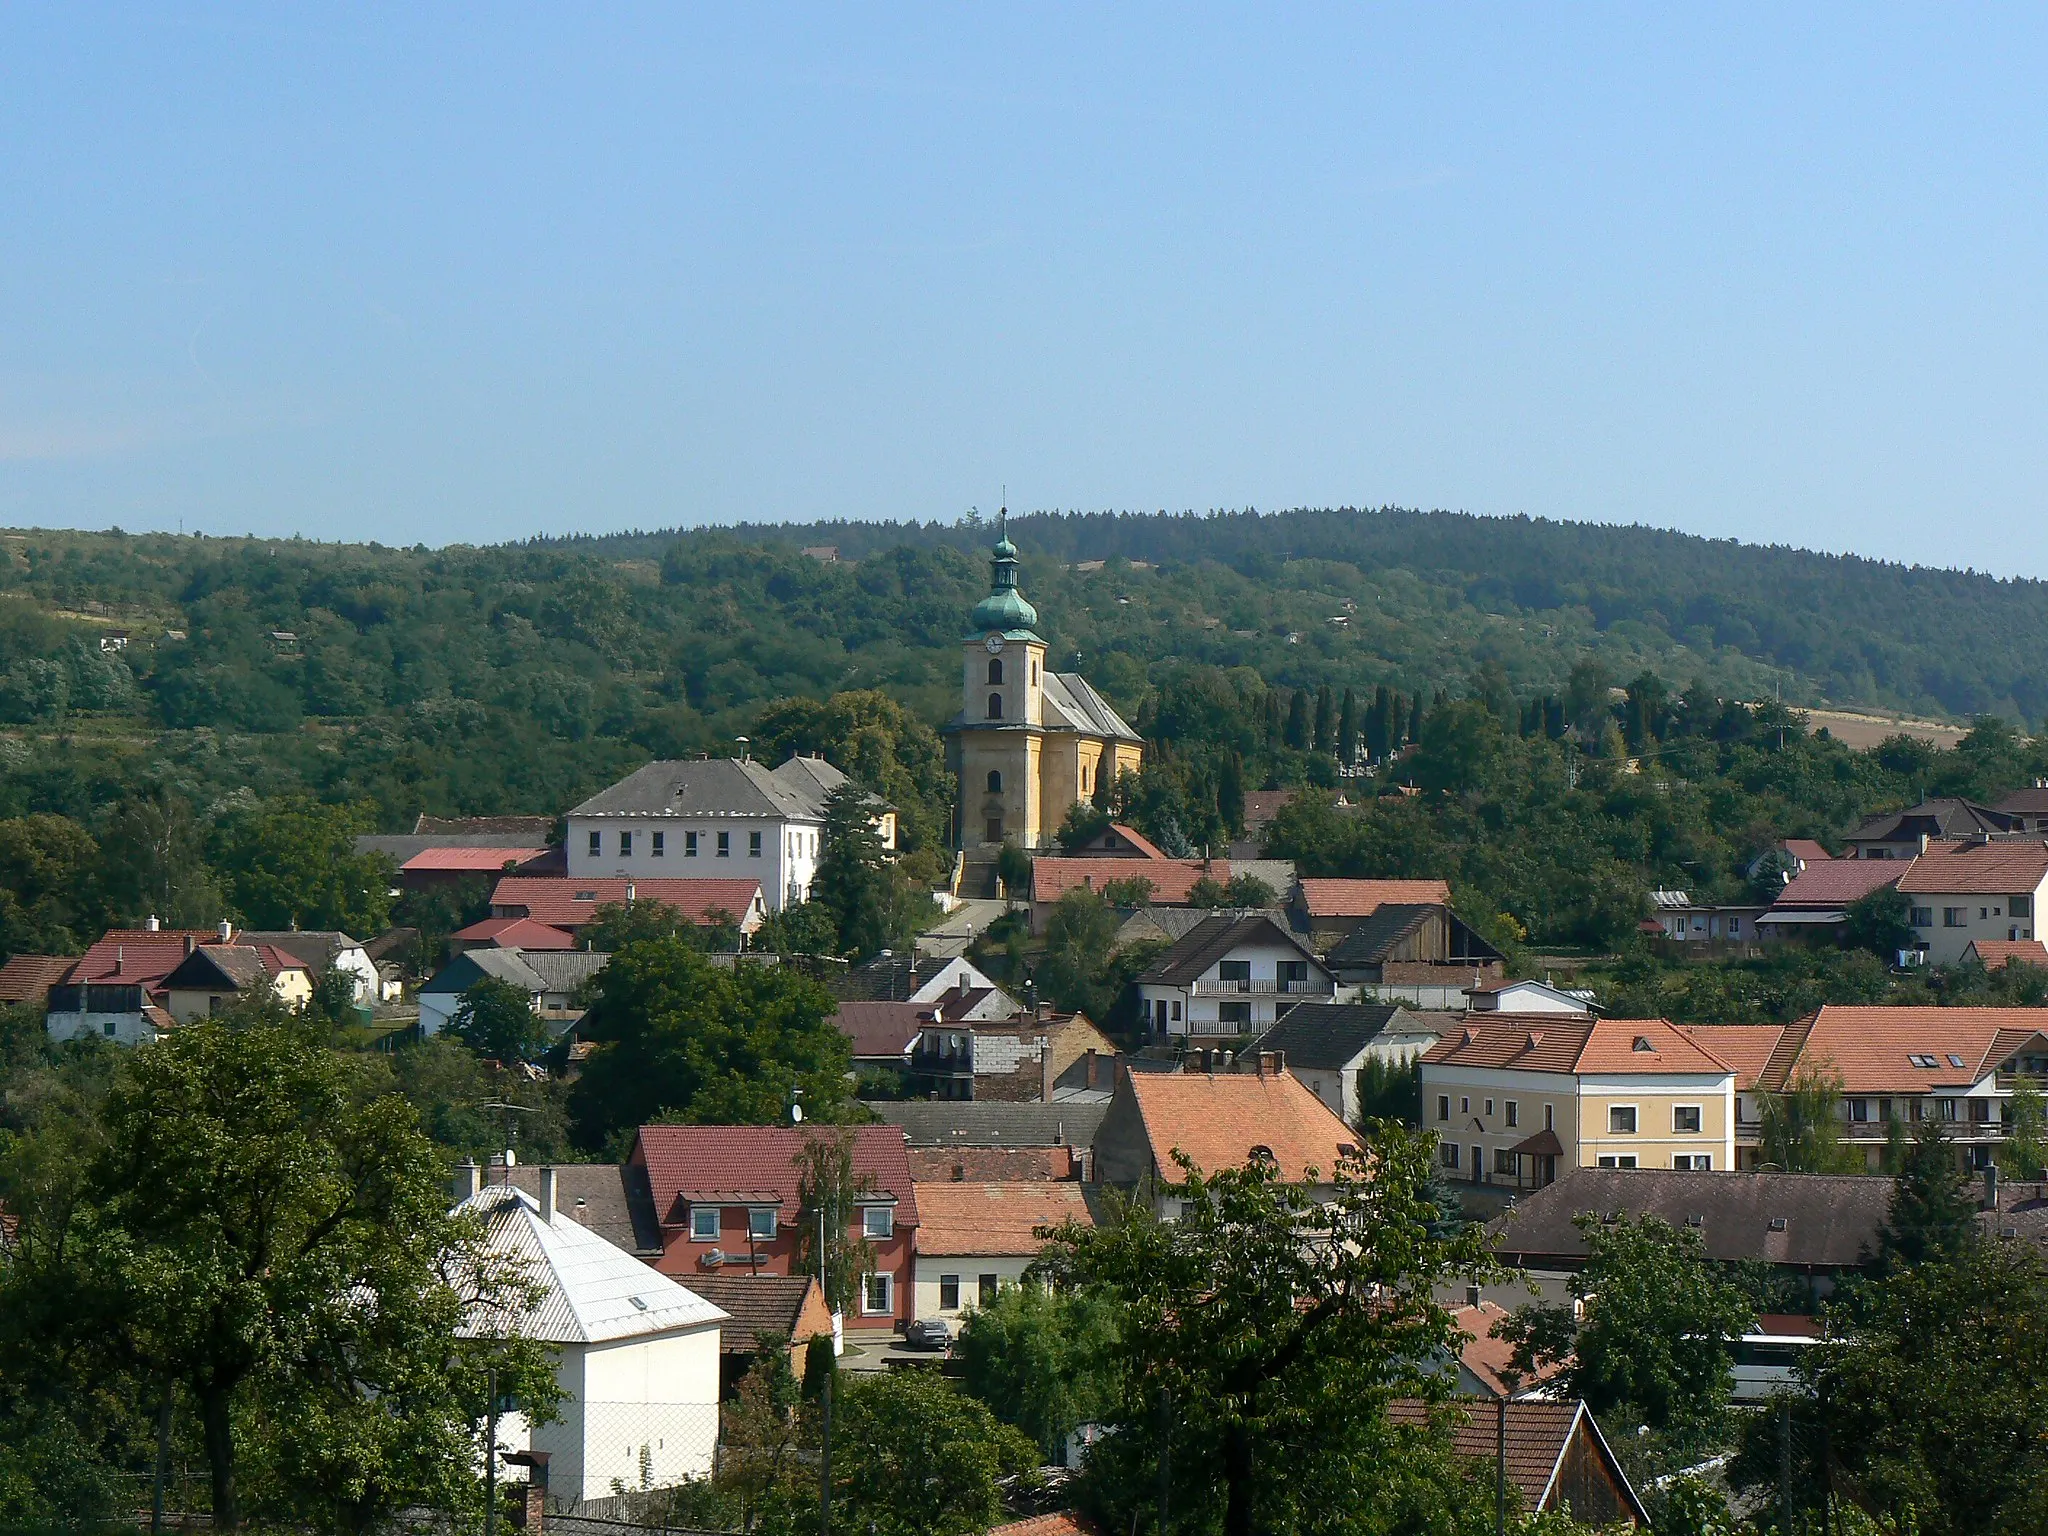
{"points": [[966, 1123], [459, 974], [1331, 1036], [1071, 704], [563, 970], [719, 786], [315, 948]]}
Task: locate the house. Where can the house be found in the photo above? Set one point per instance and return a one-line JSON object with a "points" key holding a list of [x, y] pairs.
{"points": [[881, 1035], [996, 1165], [1169, 925], [1020, 1060], [1518, 1100], [1557, 1460], [1810, 1225], [960, 1123], [1685, 921], [1165, 882], [28, 978], [975, 1238], [611, 1199], [553, 980], [1327, 910], [1976, 889], [727, 1196], [962, 975], [1485, 1363], [113, 641], [441, 866], [637, 1355], [321, 951], [760, 1308], [113, 990], [718, 818], [572, 904], [1219, 1120], [1062, 1522], [2027, 808], [1524, 997], [510, 933], [1229, 977], [1415, 952], [516, 836], [1327, 1044], [1117, 841], [1814, 904], [212, 976], [1028, 743], [1992, 954], [1752, 1051], [1903, 834], [1262, 807], [1796, 854]]}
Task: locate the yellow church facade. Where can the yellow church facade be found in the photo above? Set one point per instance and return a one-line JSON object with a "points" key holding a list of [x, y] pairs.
{"points": [[1028, 742]]}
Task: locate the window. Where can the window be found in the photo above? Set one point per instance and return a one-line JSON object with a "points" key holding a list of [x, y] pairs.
{"points": [[1549, 1117], [1920, 917], [1503, 1161], [1443, 1106], [2019, 906], [1693, 1162], [660, 842], [1734, 927], [1624, 1160], [995, 669], [1685, 1119], [877, 1222], [1237, 1015], [1176, 1011], [995, 706], [1464, 1105], [877, 1293], [1234, 971], [949, 1293], [1489, 1108], [689, 845], [1859, 1111], [725, 845], [761, 1223], [753, 845], [995, 782], [703, 1223], [111, 1029], [1034, 671], [988, 1289], [625, 845], [1955, 917], [1449, 1155], [995, 829], [1621, 1119], [1514, 1114], [1087, 777], [596, 844], [1294, 973]]}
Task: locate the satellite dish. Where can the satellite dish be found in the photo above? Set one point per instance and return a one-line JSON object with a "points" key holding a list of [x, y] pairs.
{"points": [[796, 1114]]}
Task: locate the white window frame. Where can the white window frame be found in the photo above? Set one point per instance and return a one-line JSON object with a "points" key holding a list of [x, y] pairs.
{"points": [[697, 1223], [1635, 1119], [878, 1222], [597, 845], [1693, 1162], [689, 845], [1617, 1160], [659, 844], [755, 1213], [1699, 1115], [887, 1284], [753, 845]]}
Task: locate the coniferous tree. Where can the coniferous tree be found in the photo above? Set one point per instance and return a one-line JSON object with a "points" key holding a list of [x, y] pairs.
{"points": [[1347, 728], [1415, 720], [1932, 1216], [1324, 739], [1297, 721]]}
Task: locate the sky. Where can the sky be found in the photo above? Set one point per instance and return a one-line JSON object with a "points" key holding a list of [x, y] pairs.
{"points": [[433, 274]]}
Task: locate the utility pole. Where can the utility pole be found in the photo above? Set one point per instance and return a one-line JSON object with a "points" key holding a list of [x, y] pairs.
{"points": [[491, 1453], [1785, 1467], [1500, 1465], [1165, 1455]]}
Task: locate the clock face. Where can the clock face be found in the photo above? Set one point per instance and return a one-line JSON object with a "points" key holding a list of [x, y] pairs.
{"points": [[994, 642]]}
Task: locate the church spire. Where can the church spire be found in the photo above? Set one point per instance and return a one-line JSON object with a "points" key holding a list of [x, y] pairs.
{"points": [[1004, 611]]}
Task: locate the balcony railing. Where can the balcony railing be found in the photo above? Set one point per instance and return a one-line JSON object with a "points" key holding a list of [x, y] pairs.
{"points": [[1266, 986]]}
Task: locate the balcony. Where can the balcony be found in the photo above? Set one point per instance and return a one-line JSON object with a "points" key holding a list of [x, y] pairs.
{"points": [[1265, 986]]}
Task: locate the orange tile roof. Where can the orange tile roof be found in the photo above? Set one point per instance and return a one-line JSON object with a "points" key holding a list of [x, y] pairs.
{"points": [[1745, 1047], [1837, 882], [1489, 1358], [2003, 868], [1171, 879], [1362, 898], [1218, 1120], [1569, 1046], [28, 978], [1064, 1523], [994, 1219], [1647, 1045], [570, 903], [143, 956], [2001, 952], [1872, 1049]]}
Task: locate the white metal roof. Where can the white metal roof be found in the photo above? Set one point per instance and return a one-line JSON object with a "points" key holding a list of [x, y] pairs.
{"points": [[592, 1291]]}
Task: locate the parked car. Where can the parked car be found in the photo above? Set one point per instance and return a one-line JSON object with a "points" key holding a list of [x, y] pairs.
{"points": [[928, 1333]]}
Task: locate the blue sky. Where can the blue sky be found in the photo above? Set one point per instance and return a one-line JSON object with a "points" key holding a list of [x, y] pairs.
{"points": [[423, 273]]}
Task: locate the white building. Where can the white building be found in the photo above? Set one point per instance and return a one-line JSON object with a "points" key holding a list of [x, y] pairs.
{"points": [[975, 1239], [324, 950], [1975, 889], [637, 1354], [713, 818], [1228, 976], [1327, 1045]]}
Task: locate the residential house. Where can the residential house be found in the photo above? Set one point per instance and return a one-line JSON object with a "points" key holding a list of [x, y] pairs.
{"points": [[975, 1238], [637, 1355], [28, 978], [1752, 1050], [1526, 997], [1685, 921], [882, 1035], [997, 1165], [510, 933], [727, 1196], [1556, 1460], [1975, 889], [321, 951], [1229, 977], [1903, 834], [1797, 854], [114, 989], [1327, 910], [1517, 1100], [1992, 954], [1262, 807], [988, 1140], [1326, 1045], [517, 836], [1486, 1364], [1814, 904], [1815, 1227], [1169, 925], [1167, 882], [788, 1310], [1420, 953], [553, 980], [572, 904], [1218, 1120], [213, 976], [1020, 1060], [611, 1199], [960, 974], [2027, 808], [440, 867], [1117, 841], [719, 818]]}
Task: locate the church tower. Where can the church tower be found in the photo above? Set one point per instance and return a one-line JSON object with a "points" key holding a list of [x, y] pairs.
{"points": [[1027, 743]]}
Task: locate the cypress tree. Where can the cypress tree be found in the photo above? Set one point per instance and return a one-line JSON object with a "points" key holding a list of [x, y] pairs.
{"points": [[1325, 708], [1347, 729], [1415, 720], [1297, 721]]}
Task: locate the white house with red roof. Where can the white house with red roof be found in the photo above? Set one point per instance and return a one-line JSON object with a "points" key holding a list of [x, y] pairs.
{"points": [[1978, 888], [571, 902], [115, 989]]}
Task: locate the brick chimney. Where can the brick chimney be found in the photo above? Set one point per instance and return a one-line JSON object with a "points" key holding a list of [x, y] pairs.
{"points": [[468, 1179], [547, 1194], [191, 942]]}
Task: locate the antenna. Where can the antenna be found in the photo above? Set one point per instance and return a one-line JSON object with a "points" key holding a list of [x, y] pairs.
{"points": [[508, 1111]]}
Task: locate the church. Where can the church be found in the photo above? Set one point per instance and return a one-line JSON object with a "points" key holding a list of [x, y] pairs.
{"points": [[1028, 743]]}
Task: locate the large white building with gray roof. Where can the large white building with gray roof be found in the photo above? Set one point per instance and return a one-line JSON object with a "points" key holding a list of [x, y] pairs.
{"points": [[713, 818]]}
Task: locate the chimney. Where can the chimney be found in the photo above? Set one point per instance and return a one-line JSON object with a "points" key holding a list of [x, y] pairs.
{"points": [[1044, 1070], [629, 893], [1471, 1295], [120, 956], [191, 942], [227, 931], [150, 924], [547, 1194], [1991, 1187], [468, 1179]]}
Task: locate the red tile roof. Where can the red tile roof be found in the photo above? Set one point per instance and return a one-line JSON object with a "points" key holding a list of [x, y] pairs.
{"points": [[2010, 866], [1993, 953], [137, 955], [990, 1165], [994, 1219], [1218, 1121], [1138, 840], [1489, 1358], [1745, 1047], [1538, 1435], [881, 1029], [467, 860], [1838, 882], [1362, 898], [571, 903], [1530, 1043], [1872, 1049], [1064, 1523], [516, 933], [1807, 849], [705, 1162], [1172, 879], [1262, 805], [28, 978]]}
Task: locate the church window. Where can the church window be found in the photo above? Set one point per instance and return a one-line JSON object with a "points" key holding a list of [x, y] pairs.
{"points": [[995, 706], [995, 782], [995, 669], [1034, 671]]}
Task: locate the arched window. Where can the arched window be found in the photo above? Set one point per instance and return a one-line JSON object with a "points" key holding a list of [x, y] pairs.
{"points": [[995, 706], [995, 669], [995, 782]]}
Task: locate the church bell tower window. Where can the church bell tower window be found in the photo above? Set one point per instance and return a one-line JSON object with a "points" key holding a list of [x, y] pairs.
{"points": [[995, 669], [995, 706], [995, 782]]}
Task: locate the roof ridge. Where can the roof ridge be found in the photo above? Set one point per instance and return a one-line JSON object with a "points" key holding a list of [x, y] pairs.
{"points": [[1777, 1067]]}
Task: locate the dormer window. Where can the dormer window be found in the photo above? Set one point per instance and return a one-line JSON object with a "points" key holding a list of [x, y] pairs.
{"points": [[995, 669], [1643, 1044], [995, 706]]}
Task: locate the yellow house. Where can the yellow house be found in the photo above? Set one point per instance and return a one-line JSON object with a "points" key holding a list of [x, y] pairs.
{"points": [[1515, 1099], [213, 975], [1028, 743]]}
